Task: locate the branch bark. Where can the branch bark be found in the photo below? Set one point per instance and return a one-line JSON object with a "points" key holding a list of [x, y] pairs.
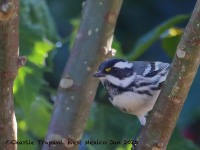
{"points": [[77, 88], [162, 120], [9, 64]]}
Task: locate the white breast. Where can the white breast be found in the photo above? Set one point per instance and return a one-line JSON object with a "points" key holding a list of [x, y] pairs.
{"points": [[134, 103]]}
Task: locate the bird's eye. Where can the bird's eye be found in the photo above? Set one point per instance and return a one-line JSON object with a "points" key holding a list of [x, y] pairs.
{"points": [[107, 69]]}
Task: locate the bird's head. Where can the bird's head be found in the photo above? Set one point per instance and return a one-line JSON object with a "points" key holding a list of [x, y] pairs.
{"points": [[117, 71]]}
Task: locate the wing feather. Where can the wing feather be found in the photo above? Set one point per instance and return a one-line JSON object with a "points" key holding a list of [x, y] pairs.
{"points": [[155, 68]]}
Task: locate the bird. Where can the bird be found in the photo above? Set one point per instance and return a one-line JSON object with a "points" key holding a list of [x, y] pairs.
{"points": [[133, 87]]}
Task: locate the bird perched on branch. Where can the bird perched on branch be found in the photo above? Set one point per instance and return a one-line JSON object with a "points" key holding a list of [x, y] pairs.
{"points": [[133, 87]]}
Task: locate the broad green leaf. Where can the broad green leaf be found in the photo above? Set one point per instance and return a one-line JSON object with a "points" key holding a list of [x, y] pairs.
{"points": [[23, 136], [39, 117], [41, 49], [20, 78], [147, 40]]}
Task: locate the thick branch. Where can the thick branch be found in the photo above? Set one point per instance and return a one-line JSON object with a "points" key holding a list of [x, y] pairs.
{"points": [[164, 116], [8, 71], [77, 88]]}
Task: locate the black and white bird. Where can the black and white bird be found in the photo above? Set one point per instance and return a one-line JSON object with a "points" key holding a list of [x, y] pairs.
{"points": [[133, 87]]}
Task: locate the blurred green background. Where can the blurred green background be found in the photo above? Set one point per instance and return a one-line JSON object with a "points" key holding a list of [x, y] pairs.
{"points": [[146, 30]]}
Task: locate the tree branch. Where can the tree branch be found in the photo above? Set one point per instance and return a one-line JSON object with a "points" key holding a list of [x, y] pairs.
{"points": [[9, 64], [77, 88], [162, 120]]}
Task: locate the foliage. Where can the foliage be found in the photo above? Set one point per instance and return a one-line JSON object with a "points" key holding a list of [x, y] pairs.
{"points": [[147, 40], [37, 37]]}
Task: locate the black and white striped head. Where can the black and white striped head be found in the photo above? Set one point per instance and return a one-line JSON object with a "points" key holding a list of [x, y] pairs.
{"points": [[117, 71]]}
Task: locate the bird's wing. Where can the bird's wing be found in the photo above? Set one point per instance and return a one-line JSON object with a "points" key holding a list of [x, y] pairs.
{"points": [[140, 66], [155, 68]]}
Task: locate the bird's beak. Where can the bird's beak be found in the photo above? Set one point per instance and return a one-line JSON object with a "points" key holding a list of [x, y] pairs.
{"points": [[98, 74]]}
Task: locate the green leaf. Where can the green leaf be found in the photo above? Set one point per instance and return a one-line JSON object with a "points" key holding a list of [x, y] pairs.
{"points": [[41, 49], [23, 136], [27, 85], [147, 40], [39, 117]]}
